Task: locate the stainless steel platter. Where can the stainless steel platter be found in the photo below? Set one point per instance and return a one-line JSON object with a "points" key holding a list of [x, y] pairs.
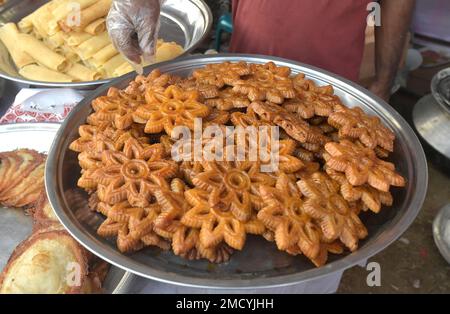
{"points": [[260, 264], [15, 226], [186, 22]]}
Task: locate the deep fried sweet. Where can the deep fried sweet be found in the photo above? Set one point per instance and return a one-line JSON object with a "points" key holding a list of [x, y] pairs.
{"points": [[371, 197], [217, 224], [15, 166], [165, 111], [284, 216], [361, 165], [233, 186], [45, 263], [207, 91], [226, 73], [324, 203], [131, 226], [355, 123], [266, 82], [226, 99], [132, 174], [298, 129]]}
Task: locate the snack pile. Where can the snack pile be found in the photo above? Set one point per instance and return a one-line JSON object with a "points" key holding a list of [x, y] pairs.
{"points": [[67, 41], [331, 164], [41, 263]]}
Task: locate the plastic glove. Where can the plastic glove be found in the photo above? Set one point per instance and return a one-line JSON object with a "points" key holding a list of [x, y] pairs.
{"points": [[133, 26]]}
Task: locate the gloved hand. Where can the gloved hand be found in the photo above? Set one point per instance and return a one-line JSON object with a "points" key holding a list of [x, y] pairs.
{"points": [[133, 26]]}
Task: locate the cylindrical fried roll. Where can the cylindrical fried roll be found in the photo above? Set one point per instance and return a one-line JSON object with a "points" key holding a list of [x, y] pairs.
{"points": [[88, 15], [96, 27], [92, 45], [124, 68], [8, 35], [42, 53], [109, 67], [82, 73], [40, 73], [76, 39], [105, 54]]}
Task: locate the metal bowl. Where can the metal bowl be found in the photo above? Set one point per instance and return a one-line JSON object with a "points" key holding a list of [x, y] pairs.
{"points": [[186, 22], [260, 264]]}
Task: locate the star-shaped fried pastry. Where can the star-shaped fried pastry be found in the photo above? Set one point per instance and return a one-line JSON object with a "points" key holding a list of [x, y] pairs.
{"points": [[371, 197], [217, 224], [132, 226], [233, 186], [133, 173], [266, 83], [283, 215], [297, 128], [361, 165], [355, 123], [174, 107], [324, 203], [220, 74], [227, 100]]}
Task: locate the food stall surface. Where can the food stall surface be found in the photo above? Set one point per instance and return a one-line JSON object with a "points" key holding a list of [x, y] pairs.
{"points": [[413, 263]]}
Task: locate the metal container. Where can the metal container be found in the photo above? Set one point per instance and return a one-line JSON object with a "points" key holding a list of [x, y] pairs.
{"points": [[431, 117], [15, 226], [187, 22], [441, 232], [260, 264]]}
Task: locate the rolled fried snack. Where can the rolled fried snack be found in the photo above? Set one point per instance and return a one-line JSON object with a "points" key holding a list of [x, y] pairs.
{"points": [[8, 35], [76, 39], [91, 46], [88, 15], [41, 53], [82, 73], [40, 73], [96, 27]]}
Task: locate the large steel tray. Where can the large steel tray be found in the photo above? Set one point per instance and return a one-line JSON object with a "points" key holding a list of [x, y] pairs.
{"points": [[260, 264]]}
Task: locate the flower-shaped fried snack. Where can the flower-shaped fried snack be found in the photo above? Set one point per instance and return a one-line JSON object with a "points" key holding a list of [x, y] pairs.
{"points": [[233, 186], [361, 165], [283, 215], [165, 111], [324, 203], [355, 123]]}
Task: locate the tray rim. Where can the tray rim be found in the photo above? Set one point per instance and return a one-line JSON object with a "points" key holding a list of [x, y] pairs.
{"points": [[201, 4], [349, 260]]}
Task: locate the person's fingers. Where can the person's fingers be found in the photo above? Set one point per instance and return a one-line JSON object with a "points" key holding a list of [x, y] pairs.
{"points": [[147, 31], [133, 27], [126, 41]]}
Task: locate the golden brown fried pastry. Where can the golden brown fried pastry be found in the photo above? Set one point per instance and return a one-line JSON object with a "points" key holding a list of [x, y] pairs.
{"points": [[266, 82], [226, 99], [217, 224], [165, 111], [233, 186], [47, 262], [220, 74], [361, 165], [284, 216], [324, 203], [355, 123]]}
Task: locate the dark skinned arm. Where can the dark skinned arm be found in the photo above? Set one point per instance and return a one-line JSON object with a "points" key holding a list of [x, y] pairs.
{"points": [[389, 43]]}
